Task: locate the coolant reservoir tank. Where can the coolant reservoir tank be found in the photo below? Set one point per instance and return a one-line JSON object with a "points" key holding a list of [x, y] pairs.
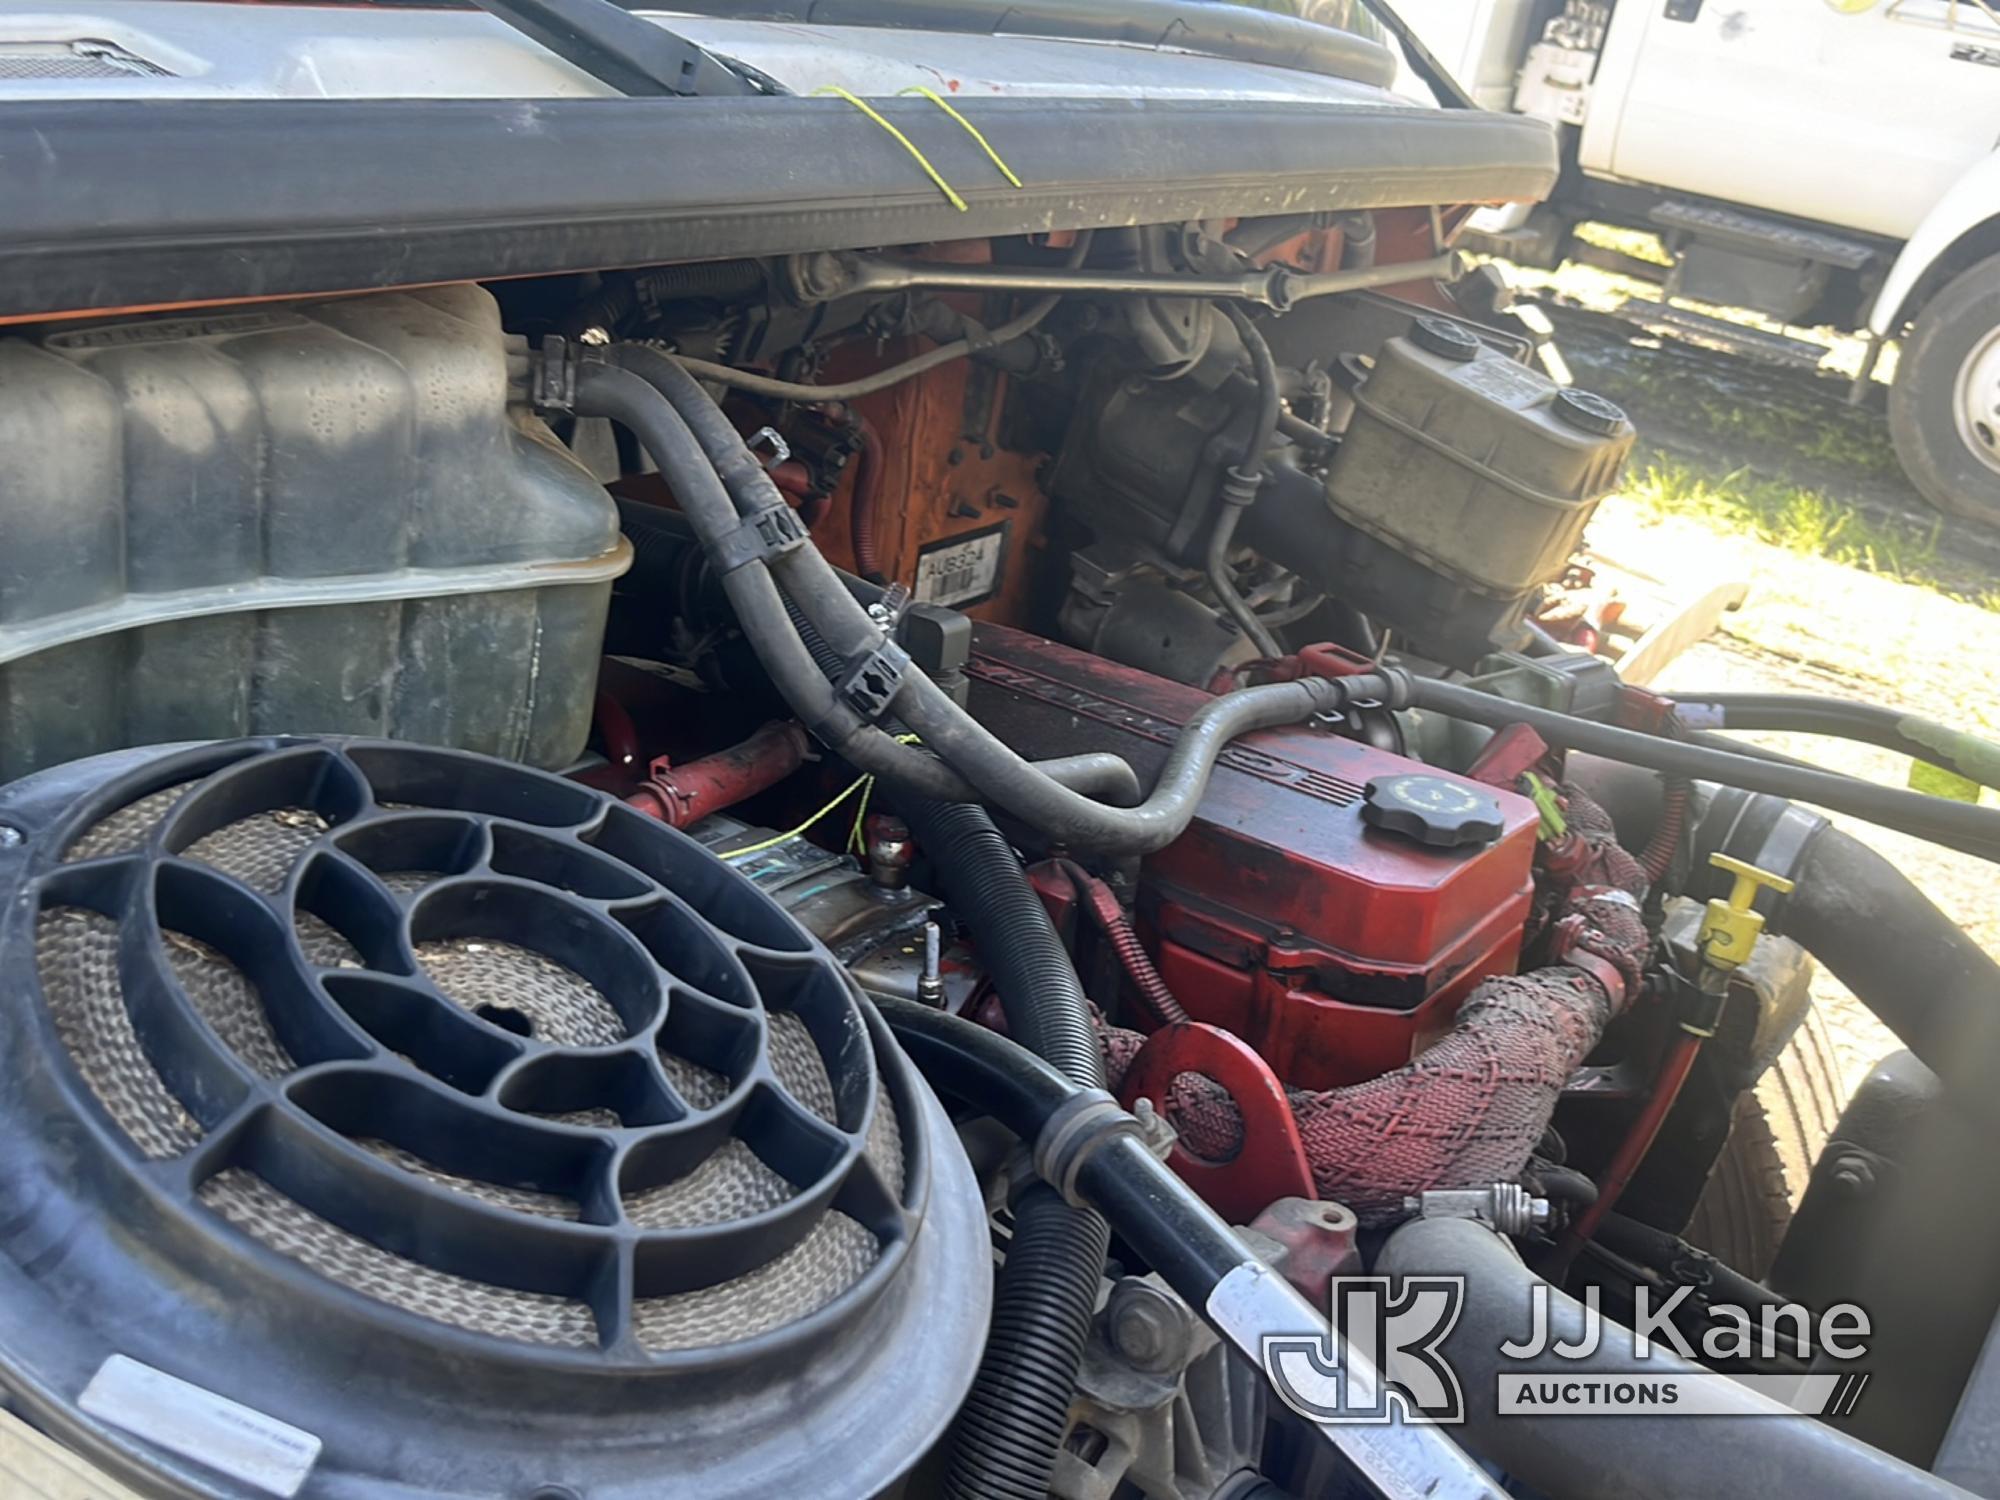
{"points": [[313, 516]]}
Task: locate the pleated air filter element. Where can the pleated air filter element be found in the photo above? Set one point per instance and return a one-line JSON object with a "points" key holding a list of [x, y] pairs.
{"points": [[482, 1128]]}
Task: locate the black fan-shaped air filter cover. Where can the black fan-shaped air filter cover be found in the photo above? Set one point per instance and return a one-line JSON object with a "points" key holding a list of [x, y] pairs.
{"points": [[475, 1134]]}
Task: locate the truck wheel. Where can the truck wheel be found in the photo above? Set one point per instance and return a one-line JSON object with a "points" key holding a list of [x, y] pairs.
{"points": [[1779, 1129], [1944, 408]]}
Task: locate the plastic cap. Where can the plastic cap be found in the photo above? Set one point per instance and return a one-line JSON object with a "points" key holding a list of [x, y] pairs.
{"points": [[1433, 810], [1590, 412], [1444, 338]]}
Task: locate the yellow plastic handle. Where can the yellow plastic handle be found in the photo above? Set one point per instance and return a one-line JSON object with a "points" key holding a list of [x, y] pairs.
{"points": [[1730, 927], [1748, 877]]}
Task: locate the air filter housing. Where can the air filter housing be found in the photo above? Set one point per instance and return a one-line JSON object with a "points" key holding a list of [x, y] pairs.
{"points": [[474, 1133]]}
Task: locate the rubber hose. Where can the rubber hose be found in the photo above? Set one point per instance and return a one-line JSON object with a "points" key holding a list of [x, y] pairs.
{"points": [[1172, 1231], [982, 881], [1013, 1423], [609, 391], [962, 760], [1661, 1251], [1975, 830], [698, 484], [1841, 718], [1671, 1457], [1241, 488], [1011, 1427], [1215, 565], [1028, 793], [1915, 968], [723, 280], [1270, 401], [1254, 237]]}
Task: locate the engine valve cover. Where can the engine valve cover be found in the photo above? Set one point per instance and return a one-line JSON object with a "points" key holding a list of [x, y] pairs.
{"points": [[1335, 948]]}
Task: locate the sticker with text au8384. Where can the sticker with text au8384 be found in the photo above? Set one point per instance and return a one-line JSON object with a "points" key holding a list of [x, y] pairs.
{"points": [[198, 1424], [961, 571]]}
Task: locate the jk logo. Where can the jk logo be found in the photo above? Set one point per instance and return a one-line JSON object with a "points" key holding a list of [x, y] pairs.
{"points": [[1382, 1362]]}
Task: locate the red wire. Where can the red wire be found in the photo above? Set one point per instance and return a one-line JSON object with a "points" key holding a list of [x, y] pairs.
{"points": [[1632, 1150]]}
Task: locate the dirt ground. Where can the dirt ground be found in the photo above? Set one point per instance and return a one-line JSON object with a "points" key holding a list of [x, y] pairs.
{"points": [[1809, 625]]}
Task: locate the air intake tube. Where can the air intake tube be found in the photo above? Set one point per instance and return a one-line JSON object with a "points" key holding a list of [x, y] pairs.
{"points": [[1672, 1457], [1913, 966]]}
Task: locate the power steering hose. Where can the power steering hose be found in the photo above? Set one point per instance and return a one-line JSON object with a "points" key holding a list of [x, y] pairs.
{"points": [[960, 760], [1957, 825], [1092, 1151]]}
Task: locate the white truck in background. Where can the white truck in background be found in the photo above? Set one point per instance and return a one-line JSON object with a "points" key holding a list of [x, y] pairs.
{"points": [[1821, 162]]}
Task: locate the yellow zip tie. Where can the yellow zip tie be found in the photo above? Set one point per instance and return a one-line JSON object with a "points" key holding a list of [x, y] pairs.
{"points": [[772, 843], [908, 145], [970, 129]]}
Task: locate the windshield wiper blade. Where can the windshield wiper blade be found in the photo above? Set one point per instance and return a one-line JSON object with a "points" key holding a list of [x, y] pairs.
{"points": [[620, 49]]}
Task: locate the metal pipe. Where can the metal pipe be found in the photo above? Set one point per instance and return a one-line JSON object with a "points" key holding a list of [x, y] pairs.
{"points": [[680, 795], [829, 275]]}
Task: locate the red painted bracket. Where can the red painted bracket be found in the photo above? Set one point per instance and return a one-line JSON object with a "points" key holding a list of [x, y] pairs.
{"points": [[1271, 1162]]}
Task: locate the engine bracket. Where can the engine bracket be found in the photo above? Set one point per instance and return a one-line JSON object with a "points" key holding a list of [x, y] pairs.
{"points": [[1270, 1163]]}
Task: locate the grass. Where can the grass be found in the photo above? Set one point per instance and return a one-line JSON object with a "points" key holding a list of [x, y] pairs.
{"points": [[1804, 521]]}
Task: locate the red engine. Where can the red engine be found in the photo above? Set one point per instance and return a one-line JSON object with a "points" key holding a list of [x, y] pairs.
{"points": [[1335, 948]]}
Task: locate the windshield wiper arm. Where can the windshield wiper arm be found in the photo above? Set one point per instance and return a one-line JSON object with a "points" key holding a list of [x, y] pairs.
{"points": [[620, 49]]}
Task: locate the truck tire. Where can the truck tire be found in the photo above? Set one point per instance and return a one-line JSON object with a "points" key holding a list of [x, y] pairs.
{"points": [[1944, 407], [1778, 1131]]}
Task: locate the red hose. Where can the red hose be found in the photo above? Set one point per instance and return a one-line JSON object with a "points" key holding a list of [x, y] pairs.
{"points": [[681, 795], [1658, 855], [615, 728], [1102, 903]]}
